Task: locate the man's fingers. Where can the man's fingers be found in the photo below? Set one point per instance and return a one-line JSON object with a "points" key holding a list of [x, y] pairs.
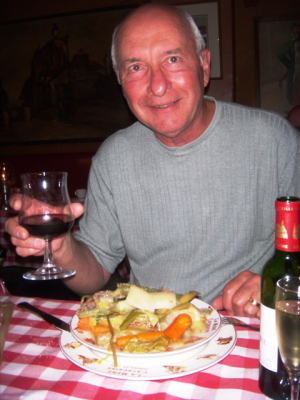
{"points": [[239, 291], [77, 209], [218, 303]]}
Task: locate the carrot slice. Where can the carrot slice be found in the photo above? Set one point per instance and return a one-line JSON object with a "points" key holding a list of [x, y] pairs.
{"points": [[149, 336], [178, 327], [98, 329], [123, 340], [84, 324]]}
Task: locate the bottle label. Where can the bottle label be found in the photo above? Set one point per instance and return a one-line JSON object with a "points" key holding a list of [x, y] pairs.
{"points": [[268, 339], [287, 235]]}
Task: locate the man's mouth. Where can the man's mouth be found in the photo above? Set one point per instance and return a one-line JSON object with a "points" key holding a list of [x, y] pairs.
{"points": [[165, 105]]}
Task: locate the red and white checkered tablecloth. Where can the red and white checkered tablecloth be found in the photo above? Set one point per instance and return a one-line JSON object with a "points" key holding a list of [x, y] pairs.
{"points": [[34, 368]]}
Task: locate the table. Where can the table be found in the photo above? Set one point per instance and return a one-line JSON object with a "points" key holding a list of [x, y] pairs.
{"points": [[33, 366]]}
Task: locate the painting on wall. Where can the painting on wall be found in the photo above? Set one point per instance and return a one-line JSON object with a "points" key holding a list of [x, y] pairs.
{"points": [[278, 63], [56, 79], [206, 16]]}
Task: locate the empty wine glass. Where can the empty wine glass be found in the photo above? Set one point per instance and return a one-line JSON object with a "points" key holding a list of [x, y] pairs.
{"points": [[46, 213], [287, 306]]}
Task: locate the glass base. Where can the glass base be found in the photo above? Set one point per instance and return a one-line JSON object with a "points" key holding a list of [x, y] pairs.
{"points": [[48, 273]]}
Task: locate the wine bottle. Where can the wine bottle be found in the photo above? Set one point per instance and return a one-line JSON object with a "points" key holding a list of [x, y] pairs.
{"points": [[273, 378]]}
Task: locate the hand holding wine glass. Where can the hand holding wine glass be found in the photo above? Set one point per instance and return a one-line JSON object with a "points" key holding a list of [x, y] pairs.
{"points": [[287, 306], [46, 213]]}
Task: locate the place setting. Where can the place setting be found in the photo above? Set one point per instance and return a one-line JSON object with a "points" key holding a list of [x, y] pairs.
{"points": [[161, 365], [204, 344]]}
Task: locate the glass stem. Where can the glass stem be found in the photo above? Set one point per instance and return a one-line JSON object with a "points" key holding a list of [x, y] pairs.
{"points": [[48, 255], [294, 379]]}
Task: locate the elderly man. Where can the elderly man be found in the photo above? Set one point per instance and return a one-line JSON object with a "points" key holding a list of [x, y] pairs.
{"points": [[188, 191]]}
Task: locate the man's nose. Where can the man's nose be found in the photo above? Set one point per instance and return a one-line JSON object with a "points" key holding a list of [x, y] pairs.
{"points": [[159, 82]]}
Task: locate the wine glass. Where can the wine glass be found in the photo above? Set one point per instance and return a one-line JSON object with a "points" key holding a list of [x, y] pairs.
{"points": [[46, 213], [287, 307]]}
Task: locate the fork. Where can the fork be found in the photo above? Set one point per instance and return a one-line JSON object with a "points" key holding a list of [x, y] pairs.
{"points": [[6, 308], [237, 322]]}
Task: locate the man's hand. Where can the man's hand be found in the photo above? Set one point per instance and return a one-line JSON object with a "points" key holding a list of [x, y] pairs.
{"points": [[27, 245], [237, 295]]}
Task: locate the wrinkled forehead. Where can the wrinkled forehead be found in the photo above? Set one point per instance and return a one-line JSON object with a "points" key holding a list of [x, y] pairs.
{"points": [[152, 22]]}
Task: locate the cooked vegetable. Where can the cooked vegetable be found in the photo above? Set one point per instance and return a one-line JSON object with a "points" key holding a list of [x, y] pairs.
{"points": [[134, 346], [163, 300], [178, 327], [140, 319], [84, 324], [95, 312], [112, 345], [100, 329], [141, 299], [140, 337], [188, 297], [129, 319], [187, 308], [163, 312], [122, 307]]}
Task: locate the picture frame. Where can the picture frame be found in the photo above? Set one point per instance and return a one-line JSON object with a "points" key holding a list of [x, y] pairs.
{"points": [[277, 48], [56, 79], [206, 16]]}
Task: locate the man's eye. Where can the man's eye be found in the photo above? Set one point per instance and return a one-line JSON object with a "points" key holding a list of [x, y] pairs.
{"points": [[135, 68], [173, 59]]}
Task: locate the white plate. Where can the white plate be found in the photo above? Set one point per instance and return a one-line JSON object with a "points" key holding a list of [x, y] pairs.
{"points": [[206, 356], [214, 323]]}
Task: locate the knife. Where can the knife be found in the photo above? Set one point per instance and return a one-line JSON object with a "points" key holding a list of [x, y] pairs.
{"points": [[56, 322]]}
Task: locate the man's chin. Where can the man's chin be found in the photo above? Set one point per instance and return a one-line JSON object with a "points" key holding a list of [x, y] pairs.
{"points": [[172, 139]]}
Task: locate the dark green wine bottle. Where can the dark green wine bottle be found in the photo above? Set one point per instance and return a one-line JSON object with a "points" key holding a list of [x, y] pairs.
{"points": [[273, 378]]}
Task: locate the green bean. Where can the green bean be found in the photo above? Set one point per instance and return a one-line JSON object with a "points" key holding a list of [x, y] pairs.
{"points": [[134, 314], [112, 345]]}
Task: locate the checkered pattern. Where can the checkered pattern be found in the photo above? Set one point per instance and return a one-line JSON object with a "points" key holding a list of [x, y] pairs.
{"points": [[34, 367]]}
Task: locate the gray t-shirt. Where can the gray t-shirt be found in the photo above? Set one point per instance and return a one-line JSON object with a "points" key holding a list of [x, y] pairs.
{"points": [[191, 217]]}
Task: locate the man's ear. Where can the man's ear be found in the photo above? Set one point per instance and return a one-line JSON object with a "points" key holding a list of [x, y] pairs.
{"points": [[117, 72], [206, 66]]}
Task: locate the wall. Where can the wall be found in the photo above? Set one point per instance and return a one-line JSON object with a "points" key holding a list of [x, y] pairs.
{"points": [[245, 62], [76, 164], [75, 158], [238, 81], [220, 88]]}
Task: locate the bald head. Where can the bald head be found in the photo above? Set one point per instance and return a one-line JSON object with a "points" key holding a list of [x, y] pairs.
{"points": [[152, 14]]}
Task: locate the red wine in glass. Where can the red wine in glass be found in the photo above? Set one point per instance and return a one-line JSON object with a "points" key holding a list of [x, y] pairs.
{"points": [[48, 226], [46, 213]]}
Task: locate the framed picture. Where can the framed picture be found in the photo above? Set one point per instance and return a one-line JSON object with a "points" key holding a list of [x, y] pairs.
{"points": [[278, 62], [56, 79], [206, 16]]}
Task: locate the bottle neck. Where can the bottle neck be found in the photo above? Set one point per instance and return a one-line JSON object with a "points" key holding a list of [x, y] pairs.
{"points": [[287, 235]]}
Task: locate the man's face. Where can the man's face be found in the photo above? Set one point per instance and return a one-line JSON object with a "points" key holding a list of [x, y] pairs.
{"points": [[161, 76]]}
